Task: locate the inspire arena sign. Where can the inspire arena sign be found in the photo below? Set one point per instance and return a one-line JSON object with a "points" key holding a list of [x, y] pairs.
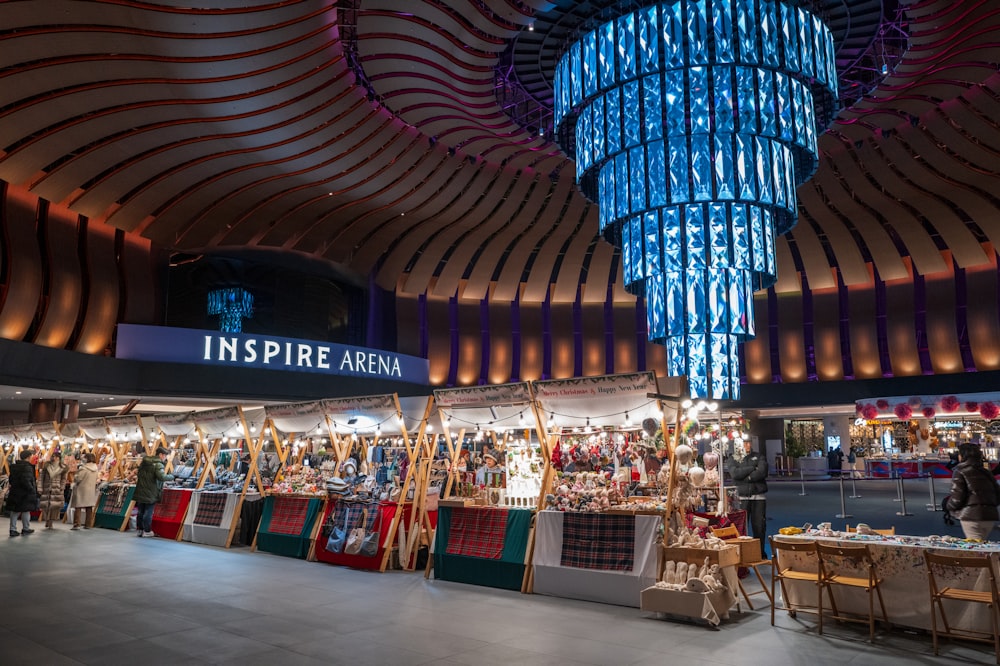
{"points": [[185, 345]]}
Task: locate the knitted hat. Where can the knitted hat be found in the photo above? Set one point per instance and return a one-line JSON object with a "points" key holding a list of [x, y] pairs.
{"points": [[493, 455], [336, 485]]}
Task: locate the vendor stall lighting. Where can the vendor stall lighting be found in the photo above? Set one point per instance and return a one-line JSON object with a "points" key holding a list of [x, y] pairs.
{"points": [[232, 306], [628, 420], [691, 123]]}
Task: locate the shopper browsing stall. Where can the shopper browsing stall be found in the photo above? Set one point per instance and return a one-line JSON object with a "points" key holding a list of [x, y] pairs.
{"points": [[53, 478], [974, 494], [84, 497], [149, 489], [22, 498], [750, 476]]}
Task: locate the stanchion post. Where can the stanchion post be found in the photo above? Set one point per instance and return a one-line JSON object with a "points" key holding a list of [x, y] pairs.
{"points": [[902, 498], [854, 487], [843, 503], [934, 505], [899, 486], [802, 480]]}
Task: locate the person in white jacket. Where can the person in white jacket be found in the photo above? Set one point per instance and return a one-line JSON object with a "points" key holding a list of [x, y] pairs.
{"points": [[84, 497]]}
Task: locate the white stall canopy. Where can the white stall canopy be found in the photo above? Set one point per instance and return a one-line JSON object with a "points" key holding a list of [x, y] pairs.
{"points": [[305, 418], [609, 400], [370, 415], [95, 428], [176, 425], [220, 423], [124, 428], [499, 407]]}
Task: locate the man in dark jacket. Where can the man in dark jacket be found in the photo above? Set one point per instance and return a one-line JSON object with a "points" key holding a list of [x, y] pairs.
{"points": [[750, 476], [149, 489], [974, 494], [23, 496]]}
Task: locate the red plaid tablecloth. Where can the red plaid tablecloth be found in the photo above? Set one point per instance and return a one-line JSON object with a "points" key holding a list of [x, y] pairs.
{"points": [[477, 532], [288, 515], [598, 541], [170, 504], [211, 507]]}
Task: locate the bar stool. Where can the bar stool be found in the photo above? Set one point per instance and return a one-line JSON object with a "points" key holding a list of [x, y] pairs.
{"points": [[780, 572], [986, 564], [858, 558]]}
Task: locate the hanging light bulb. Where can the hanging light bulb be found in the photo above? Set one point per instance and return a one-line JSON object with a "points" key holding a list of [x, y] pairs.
{"points": [[520, 418], [628, 420]]}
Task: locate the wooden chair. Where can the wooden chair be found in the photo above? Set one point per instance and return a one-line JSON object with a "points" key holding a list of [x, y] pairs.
{"points": [[730, 532], [889, 531], [832, 559], [781, 571], [986, 564]]}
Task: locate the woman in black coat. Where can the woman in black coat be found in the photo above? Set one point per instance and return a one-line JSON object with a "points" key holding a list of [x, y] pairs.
{"points": [[23, 496], [974, 494]]}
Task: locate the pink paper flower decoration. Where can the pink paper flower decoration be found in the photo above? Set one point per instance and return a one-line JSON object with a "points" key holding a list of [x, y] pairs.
{"points": [[882, 405], [903, 411], [869, 411], [949, 404], [972, 406], [989, 411], [914, 402], [929, 412]]}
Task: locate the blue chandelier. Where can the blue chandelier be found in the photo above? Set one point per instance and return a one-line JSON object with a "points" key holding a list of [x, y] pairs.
{"points": [[232, 305], [692, 122]]}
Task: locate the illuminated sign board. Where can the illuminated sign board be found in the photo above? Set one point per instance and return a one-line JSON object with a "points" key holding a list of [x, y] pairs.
{"points": [[185, 345]]}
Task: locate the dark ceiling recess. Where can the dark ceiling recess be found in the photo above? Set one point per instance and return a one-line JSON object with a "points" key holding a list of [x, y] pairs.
{"points": [[287, 302]]}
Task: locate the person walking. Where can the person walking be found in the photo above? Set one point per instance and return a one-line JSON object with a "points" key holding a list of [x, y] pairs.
{"points": [[22, 498], [149, 489], [974, 494], [53, 477], [750, 476], [84, 497]]}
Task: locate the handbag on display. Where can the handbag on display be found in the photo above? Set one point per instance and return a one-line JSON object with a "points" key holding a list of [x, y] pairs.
{"points": [[338, 537], [369, 545], [357, 536]]}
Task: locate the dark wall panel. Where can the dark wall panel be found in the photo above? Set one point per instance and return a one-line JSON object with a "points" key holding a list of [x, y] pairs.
{"points": [[65, 287], [23, 290]]}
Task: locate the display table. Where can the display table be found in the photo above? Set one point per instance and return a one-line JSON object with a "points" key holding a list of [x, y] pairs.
{"points": [[909, 468], [113, 506], [210, 516], [169, 512], [605, 557], [482, 545], [900, 563], [286, 524]]}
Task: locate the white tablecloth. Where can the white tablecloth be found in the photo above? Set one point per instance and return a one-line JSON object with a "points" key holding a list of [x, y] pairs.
{"points": [[212, 536], [622, 588], [904, 585]]}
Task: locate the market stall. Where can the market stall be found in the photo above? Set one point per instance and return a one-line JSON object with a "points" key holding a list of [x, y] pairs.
{"points": [[294, 503], [593, 541], [112, 441], [899, 561], [228, 436], [379, 487], [485, 515]]}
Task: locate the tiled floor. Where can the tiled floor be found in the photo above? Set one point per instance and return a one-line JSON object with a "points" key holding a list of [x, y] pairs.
{"points": [[101, 597]]}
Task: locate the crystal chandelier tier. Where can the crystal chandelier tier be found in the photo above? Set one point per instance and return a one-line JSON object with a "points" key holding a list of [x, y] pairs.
{"points": [[692, 122]]}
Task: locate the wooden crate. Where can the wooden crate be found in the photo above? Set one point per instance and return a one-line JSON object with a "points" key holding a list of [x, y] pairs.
{"points": [[727, 556], [749, 549]]}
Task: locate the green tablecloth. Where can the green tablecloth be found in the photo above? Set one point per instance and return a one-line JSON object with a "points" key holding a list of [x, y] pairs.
{"points": [[506, 573], [290, 545], [105, 516]]}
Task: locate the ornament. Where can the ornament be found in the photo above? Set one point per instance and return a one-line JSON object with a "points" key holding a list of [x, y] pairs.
{"points": [[711, 460], [684, 454], [697, 475]]}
